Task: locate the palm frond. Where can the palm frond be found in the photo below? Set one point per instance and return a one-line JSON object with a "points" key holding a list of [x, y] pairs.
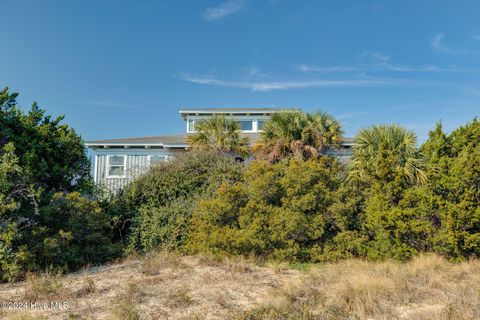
{"points": [[396, 140]]}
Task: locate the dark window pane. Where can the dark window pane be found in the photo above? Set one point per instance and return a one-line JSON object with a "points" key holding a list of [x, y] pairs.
{"points": [[116, 160], [246, 125], [260, 124]]}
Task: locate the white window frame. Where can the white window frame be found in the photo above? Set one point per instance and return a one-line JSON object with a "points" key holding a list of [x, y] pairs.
{"points": [[253, 119], [117, 165], [254, 124], [189, 129]]}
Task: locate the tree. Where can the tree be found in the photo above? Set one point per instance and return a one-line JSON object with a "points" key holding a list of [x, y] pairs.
{"points": [[52, 154], [11, 192], [219, 134], [47, 215], [454, 180], [10, 176], [383, 150], [297, 134]]}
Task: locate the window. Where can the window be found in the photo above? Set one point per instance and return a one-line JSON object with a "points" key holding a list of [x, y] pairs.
{"points": [[246, 125], [191, 125], [260, 124], [116, 166], [156, 159]]}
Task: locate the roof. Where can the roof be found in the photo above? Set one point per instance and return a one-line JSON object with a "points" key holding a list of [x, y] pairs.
{"points": [[185, 111], [171, 141], [348, 141], [179, 140]]}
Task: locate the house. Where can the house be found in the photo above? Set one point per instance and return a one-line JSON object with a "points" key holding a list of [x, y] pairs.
{"points": [[118, 161]]}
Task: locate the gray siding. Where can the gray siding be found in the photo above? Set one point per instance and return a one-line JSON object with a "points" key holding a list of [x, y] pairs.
{"points": [[137, 163]]}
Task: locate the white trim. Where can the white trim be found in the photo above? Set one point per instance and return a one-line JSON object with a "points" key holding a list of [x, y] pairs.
{"points": [[139, 144], [233, 111], [253, 118], [189, 130], [136, 152], [254, 124], [95, 169], [124, 167]]}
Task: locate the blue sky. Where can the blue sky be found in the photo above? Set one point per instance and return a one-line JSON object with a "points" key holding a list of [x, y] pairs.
{"points": [[124, 68]]}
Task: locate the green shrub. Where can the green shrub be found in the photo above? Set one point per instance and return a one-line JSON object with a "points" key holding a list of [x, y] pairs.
{"points": [[306, 211], [46, 217], [78, 233], [160, 202], [277, 211], [455, 183]]}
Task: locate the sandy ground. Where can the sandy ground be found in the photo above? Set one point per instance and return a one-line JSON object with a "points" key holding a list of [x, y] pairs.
{"points": [[166, 286], [188, 288]]}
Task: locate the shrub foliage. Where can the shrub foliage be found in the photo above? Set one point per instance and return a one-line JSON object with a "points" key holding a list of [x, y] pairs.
{"points": [[47, 214], [158, 205], [394, 200], [308, 210], [278, 211]]}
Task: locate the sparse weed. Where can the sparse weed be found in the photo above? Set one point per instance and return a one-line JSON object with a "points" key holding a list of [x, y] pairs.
{"points": [[126, 303], [179, 298], [44, 285], [87, 288], [156, 261]]}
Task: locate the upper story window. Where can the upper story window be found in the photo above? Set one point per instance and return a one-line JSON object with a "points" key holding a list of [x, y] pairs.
{"points": [[246, 125], [260, 125], [116, 166], [191, 125]]}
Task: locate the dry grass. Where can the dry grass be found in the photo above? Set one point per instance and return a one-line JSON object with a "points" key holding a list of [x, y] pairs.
{"points": [[426, 288], [43, 286], [156, 262], [162, 285], [87, 288], [179, 297], [126, 303]]}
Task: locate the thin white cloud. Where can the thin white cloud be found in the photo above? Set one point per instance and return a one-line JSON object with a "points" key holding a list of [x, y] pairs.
{"points": [[377, 61], [313, 68], [223, 10], [351, 115], [437, 42], [392, 68], [290, 84], [438, 45]]}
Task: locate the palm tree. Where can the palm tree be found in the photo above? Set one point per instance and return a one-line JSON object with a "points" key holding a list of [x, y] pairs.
{"points": [[220, 134], [375, 142], [323, 130], [297, 134]]}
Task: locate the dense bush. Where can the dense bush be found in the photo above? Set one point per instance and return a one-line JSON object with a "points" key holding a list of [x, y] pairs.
{"points": [[278, 211], [47, 216], [77, 232], [454, 181], [158, 204], [398, 201], [51, 154]]}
